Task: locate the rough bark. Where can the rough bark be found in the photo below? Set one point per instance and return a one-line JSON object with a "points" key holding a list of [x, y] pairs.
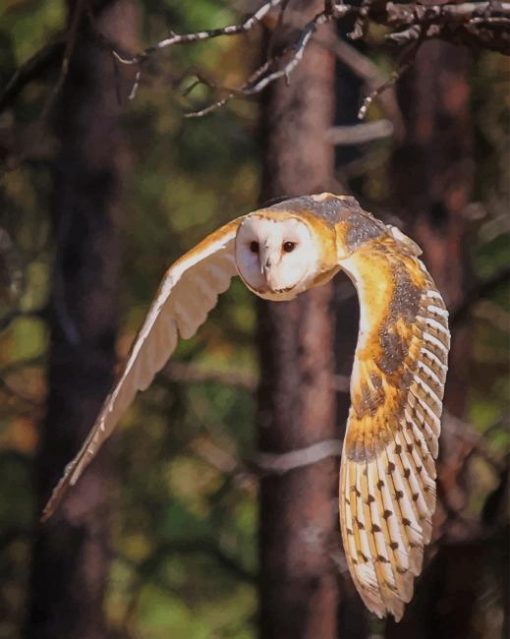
{"points": [[433, 177], [298, 512], [70, 554]]}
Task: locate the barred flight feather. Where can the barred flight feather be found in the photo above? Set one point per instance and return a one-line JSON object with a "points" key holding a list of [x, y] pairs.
{"points": [[387, 480], [179, 308]]}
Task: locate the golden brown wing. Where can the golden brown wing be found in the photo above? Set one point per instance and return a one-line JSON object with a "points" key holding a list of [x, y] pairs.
{"points": [[387, 477], [188, 291]]}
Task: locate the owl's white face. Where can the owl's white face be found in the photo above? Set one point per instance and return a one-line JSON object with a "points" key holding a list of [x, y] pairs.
{"points": [[277, 259]]}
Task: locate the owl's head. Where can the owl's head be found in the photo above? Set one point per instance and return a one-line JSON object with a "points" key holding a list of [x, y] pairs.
{"points": [[277, 257]]}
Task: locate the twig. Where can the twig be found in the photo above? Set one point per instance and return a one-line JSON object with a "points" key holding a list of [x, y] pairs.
{"points": [[299, 50], [198, 36], [282, 14], [406, 60], [258, 81], [232, 92], [371, 75], [136, 84]]}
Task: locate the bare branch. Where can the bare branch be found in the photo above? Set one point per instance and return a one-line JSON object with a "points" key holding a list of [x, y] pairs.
{"points": [[360, 133], [265, 463], [481, 24], [198, 36], [476, 24], [272, 463], [299, 50], [184, 372], [406, 60], [258, 81], [181, 372]]}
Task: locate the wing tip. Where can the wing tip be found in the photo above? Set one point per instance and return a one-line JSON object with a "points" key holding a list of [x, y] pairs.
{"points": [[391, 606], [52, 504], [380, 597], [71, 475]]}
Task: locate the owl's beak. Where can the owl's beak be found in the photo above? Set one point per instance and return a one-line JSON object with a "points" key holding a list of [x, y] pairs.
{"points": [[266, 263]]}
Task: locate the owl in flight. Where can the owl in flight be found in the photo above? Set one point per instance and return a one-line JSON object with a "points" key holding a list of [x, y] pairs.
{"points": [[387, 475]]}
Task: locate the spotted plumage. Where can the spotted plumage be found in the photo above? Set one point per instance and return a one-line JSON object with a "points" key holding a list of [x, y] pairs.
{"points": [[387, 480], [387, 477]]}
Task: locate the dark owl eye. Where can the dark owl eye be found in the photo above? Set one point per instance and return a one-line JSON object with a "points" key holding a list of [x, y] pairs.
{"points": [[288, 247], [254, 247]]}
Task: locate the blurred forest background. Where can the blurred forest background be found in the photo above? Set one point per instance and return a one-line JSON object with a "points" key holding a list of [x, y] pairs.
{"points": [[189, 524]]}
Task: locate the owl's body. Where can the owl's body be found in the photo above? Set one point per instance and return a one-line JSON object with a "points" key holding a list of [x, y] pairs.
{"points": [[387, 478]]}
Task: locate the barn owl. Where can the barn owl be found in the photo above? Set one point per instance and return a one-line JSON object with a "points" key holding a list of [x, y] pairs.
{"points": [[387, 475]]}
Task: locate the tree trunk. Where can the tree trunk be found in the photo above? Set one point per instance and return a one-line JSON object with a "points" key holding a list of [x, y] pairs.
{"points": [[298, 512], [70, 554], [433, 177]]}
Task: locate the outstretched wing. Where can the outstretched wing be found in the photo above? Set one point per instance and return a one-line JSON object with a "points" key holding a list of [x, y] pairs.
{"points": [[387, 477], [189, 290]]}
